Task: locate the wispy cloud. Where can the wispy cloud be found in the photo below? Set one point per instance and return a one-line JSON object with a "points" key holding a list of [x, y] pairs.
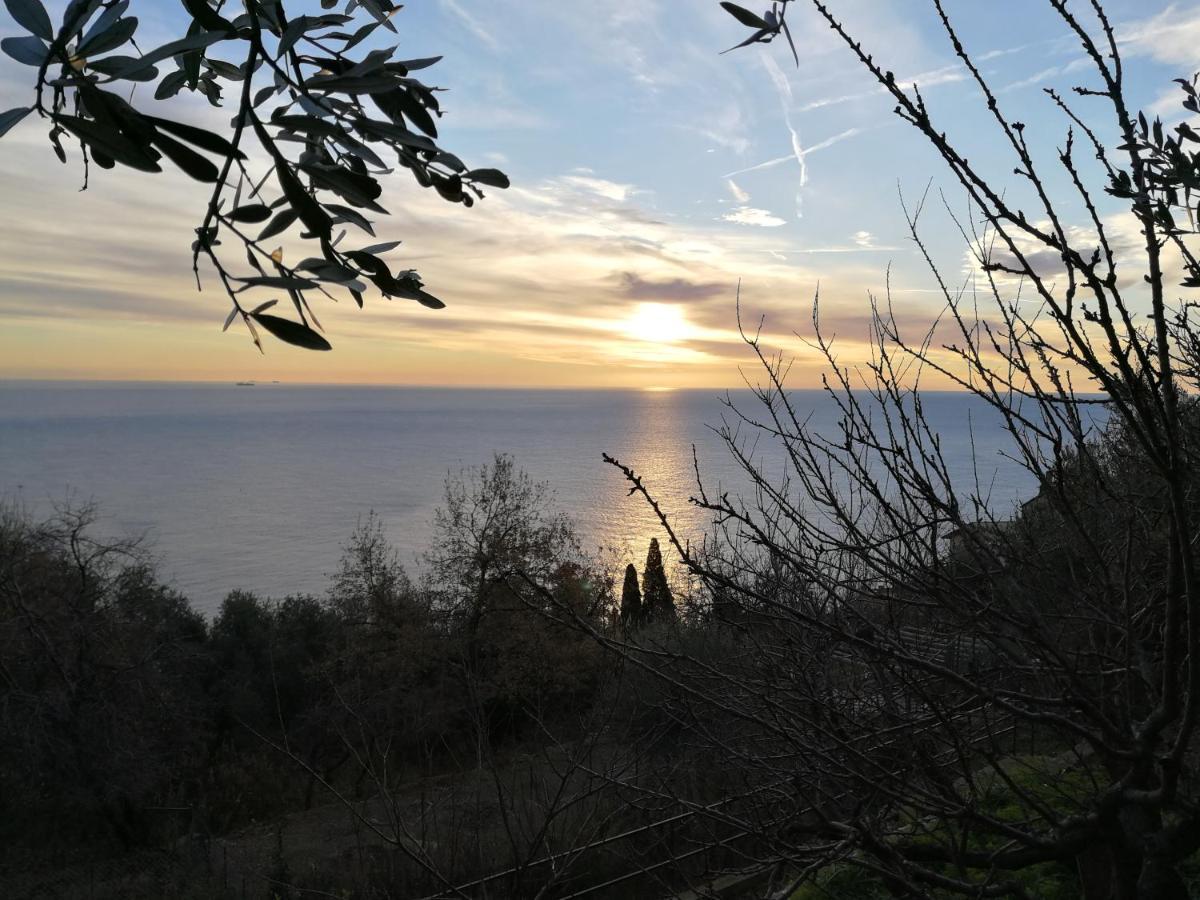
{"points": [[748, 215], [804, 152], [950, 74], [784, 89], [848, 248], [1171, 36], [473, 24], [727, 127], [739, 195], [635, 287], [860, 242], [769, 164], [836, 139], [609, 190], [1006, 51], [1037, 79]]}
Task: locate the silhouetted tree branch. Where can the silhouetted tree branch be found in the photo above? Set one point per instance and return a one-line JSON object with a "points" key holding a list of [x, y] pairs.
{"points": [[966, 700], [299, 85]]}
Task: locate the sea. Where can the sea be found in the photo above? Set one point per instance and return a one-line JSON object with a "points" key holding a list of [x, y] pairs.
{"points": [[258, 487]]}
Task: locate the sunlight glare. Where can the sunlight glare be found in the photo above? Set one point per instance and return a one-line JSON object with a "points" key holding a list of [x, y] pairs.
{"points": [[658, 322]]}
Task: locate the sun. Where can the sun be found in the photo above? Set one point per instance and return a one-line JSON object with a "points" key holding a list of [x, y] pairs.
{"points": [[657, 322]]}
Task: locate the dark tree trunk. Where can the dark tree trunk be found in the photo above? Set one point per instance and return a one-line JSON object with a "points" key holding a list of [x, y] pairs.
{"points": [[1101, 875], [1160, 880]]}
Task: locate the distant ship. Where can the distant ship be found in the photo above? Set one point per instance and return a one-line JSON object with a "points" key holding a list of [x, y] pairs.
{"points": [[245, 383]]}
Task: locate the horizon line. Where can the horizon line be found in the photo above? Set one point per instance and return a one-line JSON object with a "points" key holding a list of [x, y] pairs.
{"points": [[227, 382]]}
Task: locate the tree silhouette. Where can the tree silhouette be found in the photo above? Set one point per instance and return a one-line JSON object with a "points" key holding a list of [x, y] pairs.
{"points": [[631, 599], [312, 132], [657, 603]]}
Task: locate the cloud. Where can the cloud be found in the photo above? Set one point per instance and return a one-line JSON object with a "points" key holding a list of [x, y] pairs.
{"points": [[1124, 237], [627, 36], [726, 127], [845, 248], [600, 187], [748, 215], [1171, 37], [769, 164], [836, 139], [546, 272], [784, 89], [996, 54], [864, 239], [950, 74], [73, 296], [636, 287], [1168, 105], [491, 104], [1037, 79], [800, 155], [473, 24], [494, 116]]}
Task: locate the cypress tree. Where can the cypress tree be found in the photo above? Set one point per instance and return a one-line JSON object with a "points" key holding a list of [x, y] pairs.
{"points": [[631, 599], [657, 603]]}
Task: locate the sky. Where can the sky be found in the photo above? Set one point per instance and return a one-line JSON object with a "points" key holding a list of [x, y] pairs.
{"points": [[651, 176]]}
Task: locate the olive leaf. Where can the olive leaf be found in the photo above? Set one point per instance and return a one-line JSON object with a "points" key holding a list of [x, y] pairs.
{"points": [[32, 16], [291, 332], [12, 117], [27, 50], [743, 15], [110, 39]]}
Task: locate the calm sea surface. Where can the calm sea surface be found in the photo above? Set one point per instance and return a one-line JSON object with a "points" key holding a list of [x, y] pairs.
{"points": [[258, 487]]}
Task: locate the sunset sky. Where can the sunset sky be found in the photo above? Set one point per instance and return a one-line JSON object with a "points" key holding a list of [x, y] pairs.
{"points": [[649, 175]]}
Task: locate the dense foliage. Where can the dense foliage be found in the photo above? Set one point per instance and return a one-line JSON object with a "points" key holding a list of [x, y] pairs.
{"points": [[130, 721]]}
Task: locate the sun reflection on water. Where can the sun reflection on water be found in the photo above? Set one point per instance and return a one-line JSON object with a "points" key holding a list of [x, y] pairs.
{"points": [[651, 445]]}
